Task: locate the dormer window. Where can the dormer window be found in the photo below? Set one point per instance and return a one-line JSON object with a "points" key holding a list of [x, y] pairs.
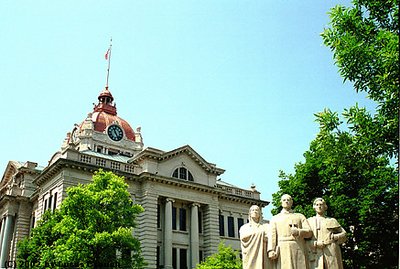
{"points": [[183, 173]]}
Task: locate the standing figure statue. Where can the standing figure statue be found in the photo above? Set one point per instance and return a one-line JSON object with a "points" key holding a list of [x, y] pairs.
{"points": [[253, 238], [328, 235], [286, 242]]}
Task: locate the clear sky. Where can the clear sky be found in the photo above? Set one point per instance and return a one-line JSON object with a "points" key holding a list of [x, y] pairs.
{"points": [[239, 81]]}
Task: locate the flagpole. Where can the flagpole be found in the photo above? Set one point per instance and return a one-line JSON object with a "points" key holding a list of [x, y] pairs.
{"points": [[108, 54]]}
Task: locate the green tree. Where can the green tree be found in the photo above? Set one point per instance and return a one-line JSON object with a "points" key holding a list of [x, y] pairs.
{"points": [[351, 162], [225, 258], [92, 229], [361, 191], [365, 44]]}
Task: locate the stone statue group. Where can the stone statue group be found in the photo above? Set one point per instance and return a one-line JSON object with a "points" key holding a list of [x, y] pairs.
{"points": [[291, 241]]}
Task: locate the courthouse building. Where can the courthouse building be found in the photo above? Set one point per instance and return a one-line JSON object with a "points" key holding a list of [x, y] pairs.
{"points": [[188, 209]]}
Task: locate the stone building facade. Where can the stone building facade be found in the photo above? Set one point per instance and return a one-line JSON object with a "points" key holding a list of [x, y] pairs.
{"points": [[188, 209]]}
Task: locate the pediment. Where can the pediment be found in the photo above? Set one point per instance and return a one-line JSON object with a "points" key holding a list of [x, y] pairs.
{"points": [[11, 170], [162, 156]]}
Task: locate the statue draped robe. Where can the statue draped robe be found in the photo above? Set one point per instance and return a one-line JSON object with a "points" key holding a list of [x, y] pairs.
{"points": [[253, 237], [292, 251]]}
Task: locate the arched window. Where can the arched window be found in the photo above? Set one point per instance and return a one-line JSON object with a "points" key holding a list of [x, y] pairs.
{"points": [[182, 173]]}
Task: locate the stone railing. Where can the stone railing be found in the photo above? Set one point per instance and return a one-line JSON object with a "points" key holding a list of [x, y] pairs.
{"points": [[100, 162], [240, 192]]}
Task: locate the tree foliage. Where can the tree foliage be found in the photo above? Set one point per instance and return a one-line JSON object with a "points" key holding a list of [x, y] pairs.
{"points": [[92, 229], [225, 258], [351, 162], [365, 44], [361, 190]]}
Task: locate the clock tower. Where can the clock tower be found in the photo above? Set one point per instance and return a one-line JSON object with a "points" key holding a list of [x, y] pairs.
{"points": [[104, 132]]}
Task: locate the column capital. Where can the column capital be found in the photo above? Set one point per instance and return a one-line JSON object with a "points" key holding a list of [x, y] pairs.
{"points": [[195, 205], [170, 200], [7, 214]]}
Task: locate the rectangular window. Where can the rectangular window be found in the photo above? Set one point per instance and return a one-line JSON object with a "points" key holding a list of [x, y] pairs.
{"points": [[183, 259], [173, 218], [240, 222], [55, 201], [201, 256], [33, 221], [221, 225], [182, 219], [158, 257], [174, 258], [45, 205], [231, 227], [200, 220], [50, 198], [158, 216]]}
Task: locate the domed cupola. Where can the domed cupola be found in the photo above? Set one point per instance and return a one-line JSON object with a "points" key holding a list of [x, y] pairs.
{"points": [[104, 132], [104, 117], [106, 103]]}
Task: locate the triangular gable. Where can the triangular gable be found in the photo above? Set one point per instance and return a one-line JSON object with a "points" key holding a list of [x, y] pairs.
{"points": [[11, 169], [159, 155]]}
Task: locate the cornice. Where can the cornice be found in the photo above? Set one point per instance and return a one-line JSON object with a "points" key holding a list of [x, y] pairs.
{"points": [[145, 176], [199, 187]]}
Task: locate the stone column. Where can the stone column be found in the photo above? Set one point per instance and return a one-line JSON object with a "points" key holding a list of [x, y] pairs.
{"points": [[194, 234], [7, 236], [3, 225], [168, 234]]}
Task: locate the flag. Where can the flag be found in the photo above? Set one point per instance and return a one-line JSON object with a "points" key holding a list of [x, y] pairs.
{"points": [[106, 55]]}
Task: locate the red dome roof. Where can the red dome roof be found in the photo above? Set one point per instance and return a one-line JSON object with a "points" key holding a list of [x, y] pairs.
{"points": [[105, 114], [102, 120]]}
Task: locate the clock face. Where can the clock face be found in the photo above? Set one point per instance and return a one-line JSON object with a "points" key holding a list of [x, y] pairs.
{"points": [[115, 132]]}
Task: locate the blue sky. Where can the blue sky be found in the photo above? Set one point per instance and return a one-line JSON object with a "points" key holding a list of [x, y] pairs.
{"points": [[239, 81]]}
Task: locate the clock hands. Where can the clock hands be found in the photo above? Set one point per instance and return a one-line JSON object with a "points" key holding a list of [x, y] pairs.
{"points": [[115, 133]]}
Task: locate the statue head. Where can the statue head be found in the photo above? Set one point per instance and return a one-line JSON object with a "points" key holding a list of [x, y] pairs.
{"points": [[319, 205], [286, 201], [255, 214]]}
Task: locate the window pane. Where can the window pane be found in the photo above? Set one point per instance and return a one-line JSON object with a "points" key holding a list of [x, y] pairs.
{"points": [[183, 258], [55, 201], [200, 220], [158, 216], [240, 223], [158, 257], [173, 218], [182, 219], [175, 174], [190, 177], [174, 258], [50, 198], [221, 225], [231, 228], [182, 173]]}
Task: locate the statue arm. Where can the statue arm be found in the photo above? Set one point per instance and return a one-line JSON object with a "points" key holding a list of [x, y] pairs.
{"points": [[340, 237], [272, 248], [305, 231]]}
